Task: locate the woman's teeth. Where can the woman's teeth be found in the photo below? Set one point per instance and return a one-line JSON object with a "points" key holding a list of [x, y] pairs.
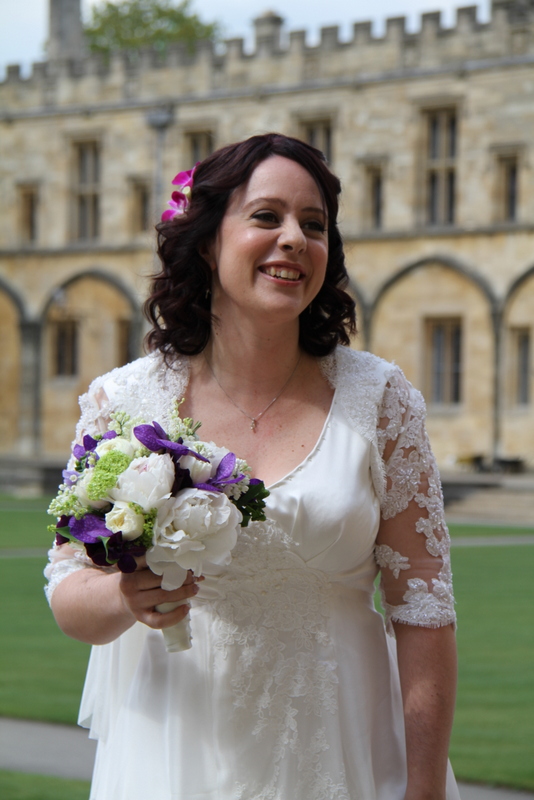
{"points": [[282, 272]]}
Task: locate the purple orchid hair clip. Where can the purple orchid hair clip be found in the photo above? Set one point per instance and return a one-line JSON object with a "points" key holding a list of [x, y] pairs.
{"points": [[181, 199]]}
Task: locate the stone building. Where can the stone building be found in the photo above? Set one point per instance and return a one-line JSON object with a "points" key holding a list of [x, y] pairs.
{"points": [[431, 132]]}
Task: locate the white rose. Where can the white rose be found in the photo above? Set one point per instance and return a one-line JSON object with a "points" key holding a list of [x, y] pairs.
{"points": [[203, 527], [108, 445], [200, 471], [147, 481], [124, 519], [80, 490]]}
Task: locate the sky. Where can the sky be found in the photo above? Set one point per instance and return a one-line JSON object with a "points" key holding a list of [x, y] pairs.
{"points": [[23, 25]]}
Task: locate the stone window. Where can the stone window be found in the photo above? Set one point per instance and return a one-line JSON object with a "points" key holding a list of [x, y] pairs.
{"points": [[374, 196], [28, 204], [508, 187], [200, 145], [443, 361], [440, 166], [521, 365], [140, 205], [124, 337], [87, 190], [318, 133], [64, 347]]}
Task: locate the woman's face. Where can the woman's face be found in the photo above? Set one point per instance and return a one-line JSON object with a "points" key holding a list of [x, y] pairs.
{"points": [[270, 254]]}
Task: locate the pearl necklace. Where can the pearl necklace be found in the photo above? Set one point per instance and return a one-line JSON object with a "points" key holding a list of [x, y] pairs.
{"points": [[253, 420]]}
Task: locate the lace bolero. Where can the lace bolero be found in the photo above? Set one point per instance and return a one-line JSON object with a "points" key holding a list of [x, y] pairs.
{"points": [[412, 547]]}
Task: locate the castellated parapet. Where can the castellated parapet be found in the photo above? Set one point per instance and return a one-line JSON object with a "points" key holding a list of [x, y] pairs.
{"points": [[277, 64]]}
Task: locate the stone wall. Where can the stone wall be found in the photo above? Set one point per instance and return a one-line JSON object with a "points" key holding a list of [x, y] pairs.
{"points": [[374, 94]]}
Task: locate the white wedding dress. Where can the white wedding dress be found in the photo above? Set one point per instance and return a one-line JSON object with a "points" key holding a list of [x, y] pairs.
{"points": [[291, 689]]}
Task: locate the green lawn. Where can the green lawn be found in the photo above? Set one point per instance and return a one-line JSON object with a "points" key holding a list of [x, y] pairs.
{"points": [[42, 671], [493, 738], [19, 786]]}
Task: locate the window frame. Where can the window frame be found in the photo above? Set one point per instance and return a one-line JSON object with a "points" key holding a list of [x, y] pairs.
{"points": [[200, 143], [86, 206], [449, 393], [439, 183], [319, 132], [71, 356], [29, 213]]}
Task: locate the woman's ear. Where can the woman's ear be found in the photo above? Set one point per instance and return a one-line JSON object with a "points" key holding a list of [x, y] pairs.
{"points": [[206, 252]]}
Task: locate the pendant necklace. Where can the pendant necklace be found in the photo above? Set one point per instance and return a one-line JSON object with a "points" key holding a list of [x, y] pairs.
{"points": [[253, 420]]}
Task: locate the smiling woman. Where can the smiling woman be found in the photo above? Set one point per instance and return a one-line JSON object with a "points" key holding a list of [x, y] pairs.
{"points": [[291, 687]]}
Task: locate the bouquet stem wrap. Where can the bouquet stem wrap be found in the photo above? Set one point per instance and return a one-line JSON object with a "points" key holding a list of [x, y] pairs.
{"points": [[177, 637]]}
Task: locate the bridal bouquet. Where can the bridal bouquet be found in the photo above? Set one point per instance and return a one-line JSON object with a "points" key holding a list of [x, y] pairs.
{"points": [[139, 489]]}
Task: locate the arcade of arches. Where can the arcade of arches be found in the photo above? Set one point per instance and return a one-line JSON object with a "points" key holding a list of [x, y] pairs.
{"points": [[469, 355]]}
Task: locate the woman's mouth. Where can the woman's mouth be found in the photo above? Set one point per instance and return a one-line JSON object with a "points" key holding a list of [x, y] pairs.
{"points": [[286, 273]]}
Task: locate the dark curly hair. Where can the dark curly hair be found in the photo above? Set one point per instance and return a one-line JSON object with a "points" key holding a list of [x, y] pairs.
{"points": [[179, 303]]}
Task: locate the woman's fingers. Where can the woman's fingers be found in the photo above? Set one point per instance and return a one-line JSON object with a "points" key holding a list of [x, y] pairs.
{"points": [[142, 592]]}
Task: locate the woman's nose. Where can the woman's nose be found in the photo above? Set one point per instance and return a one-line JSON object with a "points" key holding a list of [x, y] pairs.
{"points": [[292, 237]]}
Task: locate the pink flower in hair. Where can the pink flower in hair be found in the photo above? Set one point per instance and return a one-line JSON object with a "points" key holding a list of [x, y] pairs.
{"points": [[180, 200]]}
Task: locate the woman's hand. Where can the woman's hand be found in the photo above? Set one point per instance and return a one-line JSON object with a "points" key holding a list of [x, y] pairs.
{"points": [[141, 592]]}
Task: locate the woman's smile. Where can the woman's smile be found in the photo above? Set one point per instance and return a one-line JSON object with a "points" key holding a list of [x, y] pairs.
{"points": [[282, 270]]}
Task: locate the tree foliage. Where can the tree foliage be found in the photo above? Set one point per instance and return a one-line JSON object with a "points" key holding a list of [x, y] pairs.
{"points": [[136, 24]]}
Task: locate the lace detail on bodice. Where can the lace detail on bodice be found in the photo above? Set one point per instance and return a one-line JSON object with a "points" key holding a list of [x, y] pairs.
{"points": [[275, 609], [413, 503]]}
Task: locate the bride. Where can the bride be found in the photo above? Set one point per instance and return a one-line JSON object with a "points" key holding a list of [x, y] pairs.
{"points": [[292, 688]]}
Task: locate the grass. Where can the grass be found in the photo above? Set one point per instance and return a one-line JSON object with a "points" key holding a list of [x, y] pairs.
{"points": [[21, 786], [42, 671], [488, 530], [493, 737]]}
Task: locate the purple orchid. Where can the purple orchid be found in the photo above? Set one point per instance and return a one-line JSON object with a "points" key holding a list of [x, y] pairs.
{"points": [[155, 439], [89, 444], [185, 179], [178, 205], [179, 202], [223, 476], [89, 528], [113, 552]]}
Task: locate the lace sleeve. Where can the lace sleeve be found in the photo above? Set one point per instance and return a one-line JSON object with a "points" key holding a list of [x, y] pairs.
{"points": [[413, 541], [65, 559]]}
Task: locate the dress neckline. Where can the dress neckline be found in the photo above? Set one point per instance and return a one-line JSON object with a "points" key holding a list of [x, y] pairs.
{"points": [[312, 452], [326, 364]]}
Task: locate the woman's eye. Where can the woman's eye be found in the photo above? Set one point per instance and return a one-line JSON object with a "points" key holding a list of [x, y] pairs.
{"points": [[265, 216], [315, 225]]}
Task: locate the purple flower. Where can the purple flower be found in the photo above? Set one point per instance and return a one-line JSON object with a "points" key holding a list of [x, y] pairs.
{"points": [[185, 179], [223, 476], [155, 439], [179, 202], [89, 445], [177, 205], [89, 528]]}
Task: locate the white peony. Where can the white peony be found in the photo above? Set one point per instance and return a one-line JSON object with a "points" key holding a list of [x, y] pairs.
{"points": [[123, 518], [108, 445], [202, 527], [147, 481]]}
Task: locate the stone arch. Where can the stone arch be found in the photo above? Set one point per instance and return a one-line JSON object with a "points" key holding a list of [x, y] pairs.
{"points": [[518, 369], [91, 324], [450, 263], [360, 341], [442, 289], [12, 315], [15, 297]]}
